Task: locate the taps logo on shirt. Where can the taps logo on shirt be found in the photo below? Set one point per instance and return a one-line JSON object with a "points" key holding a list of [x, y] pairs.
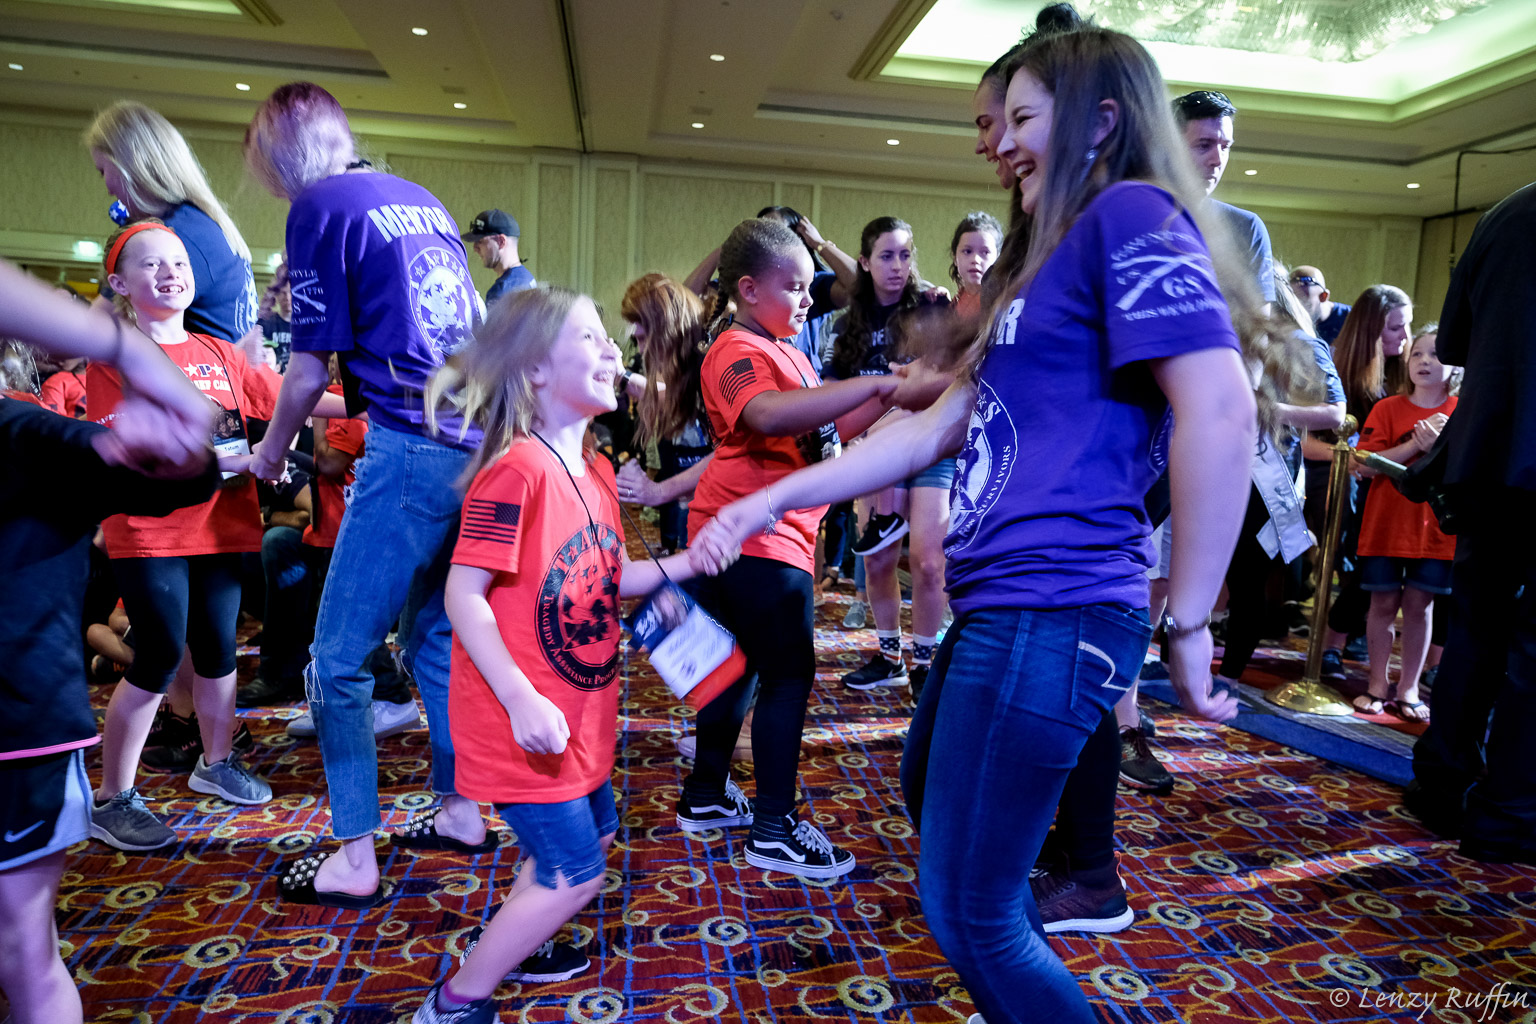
{"points": [[982, 468], [578, 609], [443, 299]]}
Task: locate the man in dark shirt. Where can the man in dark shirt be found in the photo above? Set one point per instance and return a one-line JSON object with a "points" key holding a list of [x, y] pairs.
{"points": [[1474, 769], [494, 236], [1206, 118], [1327, 316]]}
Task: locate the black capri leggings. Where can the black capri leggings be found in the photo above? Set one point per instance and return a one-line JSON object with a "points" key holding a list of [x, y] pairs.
{"points": [[178, 602], [767, 604]]}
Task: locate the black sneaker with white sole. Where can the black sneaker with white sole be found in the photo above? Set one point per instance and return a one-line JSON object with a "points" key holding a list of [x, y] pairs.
{"points": [[553, 961], [1069, 906], [877, 671], [729, 810], [797, 848], [879, 533]]}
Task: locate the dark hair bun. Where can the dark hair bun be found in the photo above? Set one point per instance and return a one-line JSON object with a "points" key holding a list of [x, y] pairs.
{"points": [[1055, 18]]}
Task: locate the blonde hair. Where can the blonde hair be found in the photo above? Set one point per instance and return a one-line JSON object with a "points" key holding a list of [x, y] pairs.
{"points": [[300, 135], [120, 303], [487, 382], [1452, 383], [156, 166]]}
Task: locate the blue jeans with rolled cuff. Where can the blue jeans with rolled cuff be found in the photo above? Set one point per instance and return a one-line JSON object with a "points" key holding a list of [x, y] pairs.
{"points": [[1011, 700], [396, 538]]}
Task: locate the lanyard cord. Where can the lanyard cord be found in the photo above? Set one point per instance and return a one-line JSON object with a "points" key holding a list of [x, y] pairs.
{"points": [[593, 525]]}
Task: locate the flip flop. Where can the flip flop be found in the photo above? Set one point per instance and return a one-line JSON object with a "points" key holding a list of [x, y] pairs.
{"points": [[1401, 707], [296, 884], [1372, 706], [420, 833]]}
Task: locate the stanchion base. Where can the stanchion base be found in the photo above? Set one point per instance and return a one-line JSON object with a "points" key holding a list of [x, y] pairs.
{"points": [[1310, 697]]}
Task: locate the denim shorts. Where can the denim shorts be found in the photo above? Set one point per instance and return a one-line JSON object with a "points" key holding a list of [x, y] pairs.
{"points": [[940, 474], [1383, 573], [565, 838]]}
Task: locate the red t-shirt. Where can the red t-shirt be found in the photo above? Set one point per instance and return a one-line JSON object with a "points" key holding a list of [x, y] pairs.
{"points": [[64, 393], [331, 497], [230, 521], [739, 367], [21, 396], [1392, 525], [555, 595]]}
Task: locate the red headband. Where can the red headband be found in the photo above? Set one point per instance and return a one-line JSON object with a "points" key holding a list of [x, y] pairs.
{"points": [[117, 246]]}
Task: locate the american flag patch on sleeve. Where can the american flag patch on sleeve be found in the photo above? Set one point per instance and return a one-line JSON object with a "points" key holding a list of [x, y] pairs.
{"points": [[492, 520], [736, 376]]}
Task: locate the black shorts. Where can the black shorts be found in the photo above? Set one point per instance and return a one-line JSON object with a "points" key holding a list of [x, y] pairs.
{"points": [[175, 603], [45, 806]]}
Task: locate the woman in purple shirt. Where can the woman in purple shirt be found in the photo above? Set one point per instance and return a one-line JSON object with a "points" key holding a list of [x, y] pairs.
{"points": [[1111, 315], [378, 277]]}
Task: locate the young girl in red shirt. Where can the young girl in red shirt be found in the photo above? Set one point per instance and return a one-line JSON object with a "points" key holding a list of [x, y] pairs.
{"points": [[179, 575], [533, 594], [1405, 558]]}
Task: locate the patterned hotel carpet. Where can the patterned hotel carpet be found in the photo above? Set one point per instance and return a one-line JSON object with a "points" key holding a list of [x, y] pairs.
{"points": [[1269, 887]]}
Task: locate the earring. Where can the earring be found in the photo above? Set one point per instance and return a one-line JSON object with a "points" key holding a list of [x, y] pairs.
{"points": [[1093, 154]]}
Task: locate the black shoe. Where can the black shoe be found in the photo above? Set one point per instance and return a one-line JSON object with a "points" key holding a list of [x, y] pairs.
{"points": [[1139, 767], [1444, 817], [553, 961], [262, 692], [175, 743], [877, 671], [1358, 650], [1068, 906], [917, 678], [879, 533], [728, 811], [1145, 724], [798, 848], [1333, 665], [1497, 851]]}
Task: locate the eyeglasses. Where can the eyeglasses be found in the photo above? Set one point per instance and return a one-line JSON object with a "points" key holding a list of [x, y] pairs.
{"points": [[1309, 281]]}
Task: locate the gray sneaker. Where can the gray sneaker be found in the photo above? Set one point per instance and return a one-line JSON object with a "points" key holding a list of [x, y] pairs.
{"points": [[229, 779], [126, 823], [857, 617]]}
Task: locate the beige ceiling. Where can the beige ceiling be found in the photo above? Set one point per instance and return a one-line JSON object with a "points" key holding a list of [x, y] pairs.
{"points": [[803, 85]]}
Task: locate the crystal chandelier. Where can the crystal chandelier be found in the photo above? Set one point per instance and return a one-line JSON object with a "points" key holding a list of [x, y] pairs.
{"points": [[1329, 30]]}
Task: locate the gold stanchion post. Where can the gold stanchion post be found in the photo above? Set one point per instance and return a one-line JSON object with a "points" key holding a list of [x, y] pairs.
{"points": [[1310, 695]]}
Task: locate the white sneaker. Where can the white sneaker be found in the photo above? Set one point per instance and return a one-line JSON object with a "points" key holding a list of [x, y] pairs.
{"points": [[688, 746], [388, 720], [976, 1018]]}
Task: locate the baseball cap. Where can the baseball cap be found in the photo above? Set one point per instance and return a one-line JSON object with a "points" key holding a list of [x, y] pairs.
{"points": [[492, 222]]}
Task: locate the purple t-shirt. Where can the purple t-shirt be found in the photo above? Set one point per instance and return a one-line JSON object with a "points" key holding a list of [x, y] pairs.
{"points": [[380, 277], [1047, 505]]}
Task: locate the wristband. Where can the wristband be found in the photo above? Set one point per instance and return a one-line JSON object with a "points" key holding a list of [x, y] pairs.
{"points": [[1175, 631]]}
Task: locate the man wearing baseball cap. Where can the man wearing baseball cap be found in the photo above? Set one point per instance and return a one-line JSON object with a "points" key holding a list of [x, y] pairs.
{"points": [[1309, 286], [494, 235]]}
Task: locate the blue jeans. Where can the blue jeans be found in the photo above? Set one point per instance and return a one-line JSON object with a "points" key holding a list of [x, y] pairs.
{"points": [[1012, 699], [399, 532], [565, 839]]}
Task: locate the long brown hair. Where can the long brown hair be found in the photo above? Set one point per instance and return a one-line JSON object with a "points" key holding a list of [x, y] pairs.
{"points": [[673, 320], [856, 334], [1357, 353]]}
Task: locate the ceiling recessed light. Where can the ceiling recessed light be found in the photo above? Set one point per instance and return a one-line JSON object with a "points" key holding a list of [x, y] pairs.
{"points": [[893, 142], [16, 67], [418, 31], [242, 87], [717, 57], [86, 249], [1413, 184], [1250, 172], [460, 106], [698, 124]]}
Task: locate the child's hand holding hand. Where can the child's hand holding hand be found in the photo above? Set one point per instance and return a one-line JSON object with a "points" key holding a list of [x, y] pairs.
{"points": [[919, 385], [713, 549], [537, 725], [1427, 430], [741, 519]]}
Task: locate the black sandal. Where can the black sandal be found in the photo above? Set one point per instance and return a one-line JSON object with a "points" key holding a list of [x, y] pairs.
{"points": [[420, 833], [296, 884]]}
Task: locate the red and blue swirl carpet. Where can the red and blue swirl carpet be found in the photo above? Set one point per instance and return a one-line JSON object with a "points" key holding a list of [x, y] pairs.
{"points": [[1269, 887]]}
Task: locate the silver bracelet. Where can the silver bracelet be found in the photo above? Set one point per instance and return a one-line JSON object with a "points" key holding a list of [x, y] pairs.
{"points": [[772, 516]]}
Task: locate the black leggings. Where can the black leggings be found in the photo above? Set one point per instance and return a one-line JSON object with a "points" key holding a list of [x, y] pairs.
{"points": [[175, 603], [1247, 586], [767, 605]]}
